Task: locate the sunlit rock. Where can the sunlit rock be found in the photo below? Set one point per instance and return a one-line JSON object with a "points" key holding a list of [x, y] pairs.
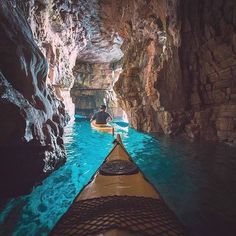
{"points": [[146, 49]]}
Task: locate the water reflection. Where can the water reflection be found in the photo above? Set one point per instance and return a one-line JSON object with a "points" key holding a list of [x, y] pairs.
{"points": [[197, 180]]}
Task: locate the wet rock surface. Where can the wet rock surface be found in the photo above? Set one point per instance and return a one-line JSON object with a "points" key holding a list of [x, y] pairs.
{"points": [[31, 118]]}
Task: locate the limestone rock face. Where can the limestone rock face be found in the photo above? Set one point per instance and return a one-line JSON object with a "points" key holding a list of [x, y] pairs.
{"points": [[179, 65], [151, 78], [209, 61], [31, 117]]}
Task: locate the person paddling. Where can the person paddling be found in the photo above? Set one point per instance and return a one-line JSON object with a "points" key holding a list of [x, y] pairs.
{"points": [[101, 117]]}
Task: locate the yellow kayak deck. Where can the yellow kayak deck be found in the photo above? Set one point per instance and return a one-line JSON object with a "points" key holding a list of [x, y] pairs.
{"points": [[102, 127], [118, 201]]}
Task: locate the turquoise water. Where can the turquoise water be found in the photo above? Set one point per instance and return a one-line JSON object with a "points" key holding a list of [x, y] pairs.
{"points": [[197, 180]]}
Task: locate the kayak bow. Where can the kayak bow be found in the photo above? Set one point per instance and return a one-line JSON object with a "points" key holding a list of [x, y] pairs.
{"points": [[118, 200]]}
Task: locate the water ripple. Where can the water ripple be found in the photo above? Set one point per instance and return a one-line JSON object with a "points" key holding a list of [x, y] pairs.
{"points": [[197, 180]]}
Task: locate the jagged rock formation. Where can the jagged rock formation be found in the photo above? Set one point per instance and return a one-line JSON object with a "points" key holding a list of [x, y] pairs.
{"points": [[31, 118], [178, 73], [151, 78]]}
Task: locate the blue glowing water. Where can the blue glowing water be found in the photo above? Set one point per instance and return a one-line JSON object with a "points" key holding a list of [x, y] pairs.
{"points": [[197, 180]]}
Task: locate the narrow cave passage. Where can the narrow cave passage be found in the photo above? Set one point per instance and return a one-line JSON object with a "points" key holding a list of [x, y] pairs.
{"points": [[165, 69], [94, 86]]}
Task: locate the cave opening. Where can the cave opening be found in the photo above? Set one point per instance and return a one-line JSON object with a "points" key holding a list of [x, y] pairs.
{"points": [[93, 86]]}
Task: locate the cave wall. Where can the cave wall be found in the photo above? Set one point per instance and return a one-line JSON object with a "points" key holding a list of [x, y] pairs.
{"points": [[31, 117], [178, 72], [209, 61], [152, 77]]}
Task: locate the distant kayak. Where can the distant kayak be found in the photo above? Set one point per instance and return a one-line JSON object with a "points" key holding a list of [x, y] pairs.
{"points": [[118, 201], [103, 127]]}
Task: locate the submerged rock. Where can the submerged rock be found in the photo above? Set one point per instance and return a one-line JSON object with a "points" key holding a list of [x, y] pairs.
{"points": [[31, 118]]}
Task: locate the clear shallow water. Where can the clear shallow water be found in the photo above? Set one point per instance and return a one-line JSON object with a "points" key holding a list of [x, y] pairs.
{"points": [[197, 181]]}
